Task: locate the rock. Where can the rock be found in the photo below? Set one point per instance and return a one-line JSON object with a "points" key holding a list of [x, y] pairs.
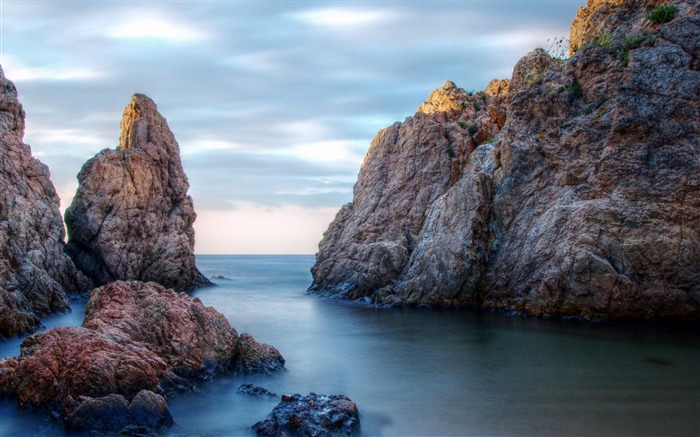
{"points": [[35, 271], [255, 390], [253, 357], [136, 336], [311, 415], [131, 217], [75, 361], [144, 415], [194, 340], [407, 168], [586, 203]]}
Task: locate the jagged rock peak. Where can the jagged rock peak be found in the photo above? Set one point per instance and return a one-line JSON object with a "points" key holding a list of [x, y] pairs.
{"points": [[35, 272], [131, 217], [444, 99]]}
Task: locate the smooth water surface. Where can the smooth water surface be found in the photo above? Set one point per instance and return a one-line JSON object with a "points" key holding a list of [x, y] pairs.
{"points": [[422, 372]]}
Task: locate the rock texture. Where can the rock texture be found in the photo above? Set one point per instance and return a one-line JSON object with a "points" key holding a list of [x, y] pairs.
{"points": [[131, 218], [311, 415], [35, 271], [587, 204], [136, 336]]}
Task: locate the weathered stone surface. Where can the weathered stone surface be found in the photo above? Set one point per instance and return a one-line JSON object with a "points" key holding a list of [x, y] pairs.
{"points": [[147, 412], [136, 336], [35, 271], [194, 340], [131, 217], [407, 168], [588, 202], [311, 415]]}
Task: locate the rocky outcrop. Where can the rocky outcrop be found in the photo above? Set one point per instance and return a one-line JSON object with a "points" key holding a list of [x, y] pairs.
{"points": [[311, 415], [131, 218], [587, 204], [35, 271], [407, 168], [136, 336]]}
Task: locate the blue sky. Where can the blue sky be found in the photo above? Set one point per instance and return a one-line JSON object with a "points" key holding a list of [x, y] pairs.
{"points": [[273, 103]]}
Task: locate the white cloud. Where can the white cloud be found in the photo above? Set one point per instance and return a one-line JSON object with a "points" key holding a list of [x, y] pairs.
{"points": [[17, 71], [196, 147], [326, 151], [155, 28], [341, 17]]}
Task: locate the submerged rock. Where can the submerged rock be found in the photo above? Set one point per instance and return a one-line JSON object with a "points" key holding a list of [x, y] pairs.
{"points": [[35, 271], [587, 202], [131, 217], [255, 390], [144, 415], [311, 415]]}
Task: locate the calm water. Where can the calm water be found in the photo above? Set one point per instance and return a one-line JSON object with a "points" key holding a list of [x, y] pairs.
{"points": [[419, 372]]}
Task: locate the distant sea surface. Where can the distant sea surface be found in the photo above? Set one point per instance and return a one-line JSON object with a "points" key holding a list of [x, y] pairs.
{"points": [[423, 372]]}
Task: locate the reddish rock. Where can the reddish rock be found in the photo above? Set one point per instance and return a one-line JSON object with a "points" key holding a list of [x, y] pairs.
{"points": [[63, 362], [254, 357], [194, 340]]}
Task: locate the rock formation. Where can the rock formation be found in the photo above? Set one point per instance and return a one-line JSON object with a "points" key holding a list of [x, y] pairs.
{"points": [[586, 204], [35, 271], [136, 336], [131, 218], [311, 415]]}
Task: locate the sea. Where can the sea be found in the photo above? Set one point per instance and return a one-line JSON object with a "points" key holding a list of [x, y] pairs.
{"points": [[423, 371]]}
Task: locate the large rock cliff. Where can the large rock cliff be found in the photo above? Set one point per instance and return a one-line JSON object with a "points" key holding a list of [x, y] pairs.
{"points": [[131, 217], [586, 204], [35, 271]]}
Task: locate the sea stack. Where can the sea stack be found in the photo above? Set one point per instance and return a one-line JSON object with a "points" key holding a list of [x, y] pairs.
{"points": [[35, 271], [586, 203], [131, 218]]}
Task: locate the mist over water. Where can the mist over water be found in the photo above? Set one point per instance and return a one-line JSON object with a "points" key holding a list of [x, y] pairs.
{"points": [[420, 372]]}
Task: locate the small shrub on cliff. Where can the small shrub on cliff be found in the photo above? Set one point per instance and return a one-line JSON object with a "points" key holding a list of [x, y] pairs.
{"points": [[463, 105], [575, 89], [558, 48], [451, 151], [477, 106], [473, 129], [603, 39], [662, 14], [462, 123], [630, 43]]}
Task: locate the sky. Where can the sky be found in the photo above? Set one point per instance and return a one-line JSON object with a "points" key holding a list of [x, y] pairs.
{"points": [[273, 103]]}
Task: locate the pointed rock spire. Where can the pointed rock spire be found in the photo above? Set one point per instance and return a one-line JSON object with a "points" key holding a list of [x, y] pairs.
{"points": [[131, 217]]}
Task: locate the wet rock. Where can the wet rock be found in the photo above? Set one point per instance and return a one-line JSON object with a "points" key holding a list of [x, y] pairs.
{"points": [[35, 271], [255, 390], [136, 336], [144, 415], [586, 203], [311, 415], [252, 357], [131, 217]]}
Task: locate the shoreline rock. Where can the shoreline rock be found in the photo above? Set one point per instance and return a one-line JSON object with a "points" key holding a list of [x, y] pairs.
{"points": [[136, 336]]}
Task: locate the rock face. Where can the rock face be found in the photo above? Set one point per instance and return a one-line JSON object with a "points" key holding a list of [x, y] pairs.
{"points": [[588, 203], [311, 415], [136, 336], [131, 218], [35, 271]]}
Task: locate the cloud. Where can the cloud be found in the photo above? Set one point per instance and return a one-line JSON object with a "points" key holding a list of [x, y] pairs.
{"points": [[23, 73], [155, 28], [342, 17]]}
